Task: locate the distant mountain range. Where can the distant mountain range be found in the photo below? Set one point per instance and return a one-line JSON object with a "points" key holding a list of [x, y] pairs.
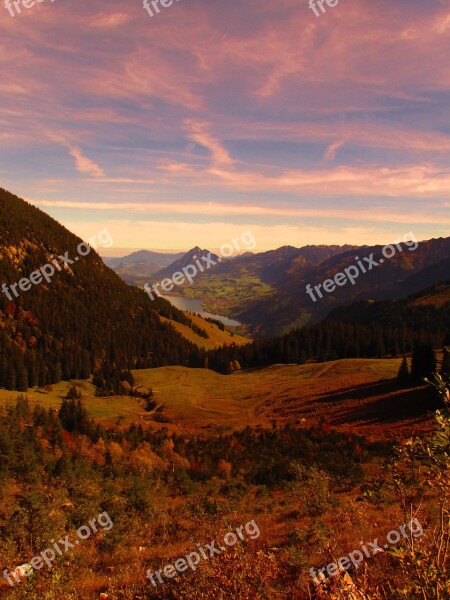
{"points": [[189, 258], [402, 275], [140, 266], [267, 291]]}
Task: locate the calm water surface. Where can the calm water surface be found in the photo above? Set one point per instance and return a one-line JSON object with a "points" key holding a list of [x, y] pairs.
{"points": [[195, 306]]}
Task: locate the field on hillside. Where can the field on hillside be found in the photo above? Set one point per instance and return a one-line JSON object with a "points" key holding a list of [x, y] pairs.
{"points": [[355, 394], [115, 410], [438, 297], [360, 395], [221, 293]]}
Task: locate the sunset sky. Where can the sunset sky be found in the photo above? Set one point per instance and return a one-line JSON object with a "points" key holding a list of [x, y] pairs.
{"points": [[214, 117]]}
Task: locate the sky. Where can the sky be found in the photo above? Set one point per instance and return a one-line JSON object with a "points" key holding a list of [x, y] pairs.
{"points": [[216, 117]]}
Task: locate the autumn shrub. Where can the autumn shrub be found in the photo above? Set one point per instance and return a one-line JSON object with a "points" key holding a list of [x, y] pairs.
{"points": [[421, 472], [311, 488], [418, 478], [181, 483]]}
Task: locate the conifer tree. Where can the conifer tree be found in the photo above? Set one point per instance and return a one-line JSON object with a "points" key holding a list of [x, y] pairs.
{"points": [[403, 371]]}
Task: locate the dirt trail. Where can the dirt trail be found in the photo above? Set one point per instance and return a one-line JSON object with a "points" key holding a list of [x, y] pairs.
{"points": [[324, 370]]}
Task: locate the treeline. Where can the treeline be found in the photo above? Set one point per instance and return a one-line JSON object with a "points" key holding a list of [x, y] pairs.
{"points": [[29, 357], [328, 340], [45, 445], [32, 355], [416, 312]]}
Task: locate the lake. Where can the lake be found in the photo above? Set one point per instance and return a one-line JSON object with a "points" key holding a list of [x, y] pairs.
{"points": [[196, 306]]}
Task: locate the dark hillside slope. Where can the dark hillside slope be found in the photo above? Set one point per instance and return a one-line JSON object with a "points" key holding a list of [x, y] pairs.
{"points": [[84, 317], [427, 311], [404, 274], [364, 329]]}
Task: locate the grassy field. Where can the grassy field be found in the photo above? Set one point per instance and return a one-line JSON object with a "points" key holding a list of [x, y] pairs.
{"points": [[438, 297], [354, 394], [360, 395], [117, 409]]}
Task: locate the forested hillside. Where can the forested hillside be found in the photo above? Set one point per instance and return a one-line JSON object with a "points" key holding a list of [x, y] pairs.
{"points": [[361, 330], [427, 311], [87, 320], [85, 316]]}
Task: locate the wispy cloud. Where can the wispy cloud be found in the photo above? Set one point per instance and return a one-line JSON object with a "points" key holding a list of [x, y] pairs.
{"points": [[213, 209], [259, 107], [84, 164]]}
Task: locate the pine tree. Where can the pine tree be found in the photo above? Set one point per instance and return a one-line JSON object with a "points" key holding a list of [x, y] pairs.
{"points": [[21, 379], [10, 378], [403, 371]]}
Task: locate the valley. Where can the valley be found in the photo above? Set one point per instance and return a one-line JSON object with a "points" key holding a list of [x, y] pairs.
{"points": [[179, 427], [357, 395], [361, 396], [266, 291], [225, 300], [195, 305]]}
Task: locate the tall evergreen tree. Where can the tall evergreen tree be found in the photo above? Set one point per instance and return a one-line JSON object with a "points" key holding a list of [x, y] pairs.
{"points": [[403, 371], [21, 379]]}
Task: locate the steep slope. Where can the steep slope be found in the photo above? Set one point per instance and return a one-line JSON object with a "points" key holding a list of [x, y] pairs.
{"points": [[83, 317], [405, 273], [429, 310], [213, 336]]}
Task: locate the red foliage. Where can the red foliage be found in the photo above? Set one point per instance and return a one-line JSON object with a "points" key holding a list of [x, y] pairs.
{"points": [[10, 309], [195, 466], [68, 441]]}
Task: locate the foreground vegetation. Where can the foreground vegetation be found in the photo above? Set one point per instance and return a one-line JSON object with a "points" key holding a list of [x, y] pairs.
{"points": [[315, 494]]}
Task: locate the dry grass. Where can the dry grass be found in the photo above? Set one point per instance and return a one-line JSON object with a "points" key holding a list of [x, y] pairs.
{"points": [[360, 395], [216, 337]]}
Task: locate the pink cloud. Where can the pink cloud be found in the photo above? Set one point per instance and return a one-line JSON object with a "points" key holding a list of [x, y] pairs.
{"points": [[139, 96], [217, 209], [84, 164], [109, 21], [199, 132]]}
